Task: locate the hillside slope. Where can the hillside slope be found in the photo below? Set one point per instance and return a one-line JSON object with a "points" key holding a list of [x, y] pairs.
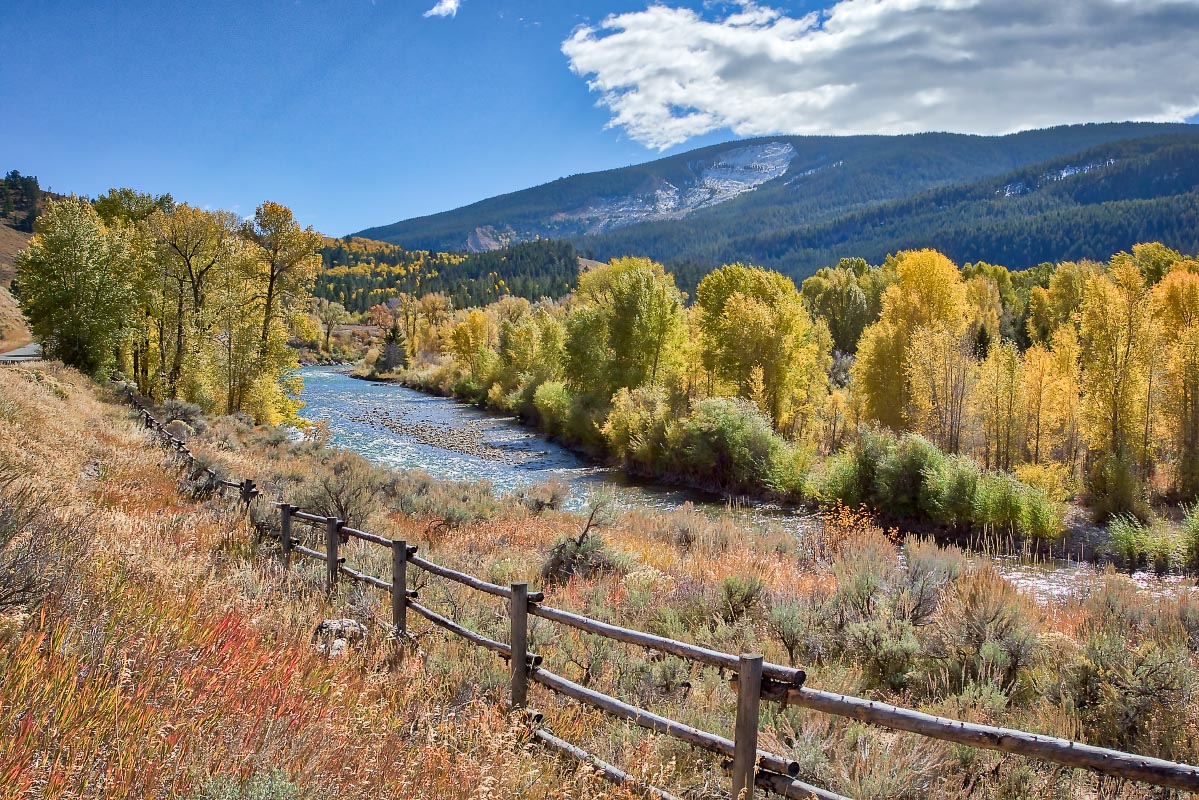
{"points": [[686, 205], [11, 242], [1087, 205]]}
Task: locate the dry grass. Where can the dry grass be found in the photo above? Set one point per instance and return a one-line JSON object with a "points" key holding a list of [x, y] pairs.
{"points": [[11, 241], [186, 647], [180, 654], [14, 330]]}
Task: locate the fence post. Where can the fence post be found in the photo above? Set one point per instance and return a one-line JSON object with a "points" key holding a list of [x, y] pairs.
{"points": [[331, 536], [285, 525], [399, 590], [745, 736], [518, 611]]}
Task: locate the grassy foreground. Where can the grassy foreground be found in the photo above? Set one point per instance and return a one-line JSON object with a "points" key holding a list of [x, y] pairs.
{"points": [[157, 649]]}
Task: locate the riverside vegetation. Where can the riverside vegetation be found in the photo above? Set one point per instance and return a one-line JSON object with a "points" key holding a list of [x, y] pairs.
{"points": [[151, 644], [969, 398]]}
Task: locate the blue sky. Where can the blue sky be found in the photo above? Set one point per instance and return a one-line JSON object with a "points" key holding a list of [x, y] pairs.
{"points": [[359, 113]]}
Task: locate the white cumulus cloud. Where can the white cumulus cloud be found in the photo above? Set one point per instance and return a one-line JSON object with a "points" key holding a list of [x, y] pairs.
{"points": [[444, 8], [667, 74]]}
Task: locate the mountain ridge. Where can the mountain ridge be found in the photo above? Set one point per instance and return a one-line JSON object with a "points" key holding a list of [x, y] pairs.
{"points": [[624, 209]]}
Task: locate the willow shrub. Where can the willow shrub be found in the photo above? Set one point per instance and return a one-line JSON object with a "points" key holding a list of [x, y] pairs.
{"points": [[950, 489], [1190, 537], [728, 444], [553, 401], [908, 477], [901, 482]]}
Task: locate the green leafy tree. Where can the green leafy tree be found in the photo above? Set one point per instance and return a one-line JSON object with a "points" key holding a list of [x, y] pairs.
{"points": [[759, 339], [76, 286], [288, 260]]}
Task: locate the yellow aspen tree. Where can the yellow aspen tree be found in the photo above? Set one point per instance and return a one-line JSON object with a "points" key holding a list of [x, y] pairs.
{"points": [[1038, 391], [985, 310], [940, 371], [751, 317], [1176, 307], [999, 404], [1064, 409], [928, 290], [1116, 336]]}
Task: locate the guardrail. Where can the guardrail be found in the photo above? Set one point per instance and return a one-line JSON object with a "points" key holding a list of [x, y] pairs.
{"points": [[753, 678]]}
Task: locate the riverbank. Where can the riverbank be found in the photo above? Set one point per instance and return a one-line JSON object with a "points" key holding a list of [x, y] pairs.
{"points": [[1082, 541]]}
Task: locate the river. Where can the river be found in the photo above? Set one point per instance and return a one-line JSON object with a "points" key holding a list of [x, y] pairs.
{"points": [[397, 427]]}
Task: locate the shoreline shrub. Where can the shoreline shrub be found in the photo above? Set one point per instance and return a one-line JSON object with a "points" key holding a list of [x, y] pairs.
{"points": [[901, 479], [1190, 537], [729, 444]]}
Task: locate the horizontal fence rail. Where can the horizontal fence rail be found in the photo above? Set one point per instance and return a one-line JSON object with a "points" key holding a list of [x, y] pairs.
{"points": [[1007, 740], [794, 677], [655, 722], [611, 773], [469, 580], [496, 647], [749, 766]]}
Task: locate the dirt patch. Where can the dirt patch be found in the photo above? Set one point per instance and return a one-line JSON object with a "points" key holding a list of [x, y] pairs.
{"points": [[14, 332], [11, 241]]}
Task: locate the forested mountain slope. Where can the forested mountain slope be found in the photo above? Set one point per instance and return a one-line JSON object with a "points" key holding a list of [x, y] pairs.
{"points": [[693, 206], [1087, 205]]}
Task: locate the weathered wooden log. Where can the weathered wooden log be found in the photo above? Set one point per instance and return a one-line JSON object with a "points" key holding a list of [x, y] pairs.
{"points": [[745, 734], [399, 578], [371, 580], [608, 771], [468, 580], [304, 551], [518, 617], [1156, 771], [366, 537], [654, 722], [466, 633], [793, 788], [362, 577], [789, 675]]}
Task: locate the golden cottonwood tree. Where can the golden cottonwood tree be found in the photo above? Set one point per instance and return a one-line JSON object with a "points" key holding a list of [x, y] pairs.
{"points": [[940, 371], [928, 291], [759, 339], [999, 405], [1176, 306], [190, 243], [288, 260], [632, 313], [1116, 335]]}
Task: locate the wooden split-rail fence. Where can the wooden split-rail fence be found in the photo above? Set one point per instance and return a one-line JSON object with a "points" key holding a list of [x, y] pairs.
{"points": [[754, 679]]}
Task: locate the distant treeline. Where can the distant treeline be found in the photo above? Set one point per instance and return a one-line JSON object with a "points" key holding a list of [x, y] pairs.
{"points": [[19, 200], [360, 273]]}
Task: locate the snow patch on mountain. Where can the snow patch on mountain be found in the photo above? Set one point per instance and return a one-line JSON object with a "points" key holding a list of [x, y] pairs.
{"points": [[731, 174], [1021, 188]]}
